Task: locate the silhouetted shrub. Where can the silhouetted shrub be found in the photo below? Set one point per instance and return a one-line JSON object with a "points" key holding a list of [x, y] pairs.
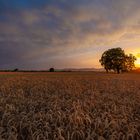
{"points": [[51, 70], [16, 69]]}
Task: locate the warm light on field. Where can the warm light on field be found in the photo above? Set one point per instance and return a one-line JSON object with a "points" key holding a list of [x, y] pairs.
{"points": [[69, 106]]}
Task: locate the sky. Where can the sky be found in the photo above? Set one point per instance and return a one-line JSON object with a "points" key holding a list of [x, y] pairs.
{"points": [[39, 34]]}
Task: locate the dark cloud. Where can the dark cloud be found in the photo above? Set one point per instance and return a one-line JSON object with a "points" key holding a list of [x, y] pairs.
{"points": [[39, 33]]}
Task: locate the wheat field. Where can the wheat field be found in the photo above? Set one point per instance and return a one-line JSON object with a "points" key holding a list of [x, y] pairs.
{"points": [[69, 106]]}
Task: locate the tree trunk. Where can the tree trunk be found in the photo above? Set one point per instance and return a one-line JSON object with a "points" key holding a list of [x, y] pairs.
{"points": [[118, 70], [106, 70]]}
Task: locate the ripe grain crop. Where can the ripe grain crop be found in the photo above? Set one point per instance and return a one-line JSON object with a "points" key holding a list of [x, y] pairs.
{"points": [[86, 106]]}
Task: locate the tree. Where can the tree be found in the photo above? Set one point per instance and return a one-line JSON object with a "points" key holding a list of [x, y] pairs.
{"points": [[129, 62], [116, 59], [51, 70]]}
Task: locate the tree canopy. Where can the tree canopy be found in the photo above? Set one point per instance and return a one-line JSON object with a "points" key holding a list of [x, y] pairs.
{"points": [[116, 59]]}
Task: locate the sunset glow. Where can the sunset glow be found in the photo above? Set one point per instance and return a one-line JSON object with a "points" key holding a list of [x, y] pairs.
{"points": [[67, 33], [137, 63]]}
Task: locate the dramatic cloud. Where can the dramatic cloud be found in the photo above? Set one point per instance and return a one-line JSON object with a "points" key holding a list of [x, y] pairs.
{"points": [[38, 34]]}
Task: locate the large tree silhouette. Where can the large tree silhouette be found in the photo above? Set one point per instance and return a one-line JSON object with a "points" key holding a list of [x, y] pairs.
{"points": [[116, 59]]}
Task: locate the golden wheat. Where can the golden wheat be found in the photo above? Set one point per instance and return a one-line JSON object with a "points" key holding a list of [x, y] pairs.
{"points": [[70, 108]]}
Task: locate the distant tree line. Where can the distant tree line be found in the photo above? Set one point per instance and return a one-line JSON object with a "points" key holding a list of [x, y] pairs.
{"points": [[115, 59]]}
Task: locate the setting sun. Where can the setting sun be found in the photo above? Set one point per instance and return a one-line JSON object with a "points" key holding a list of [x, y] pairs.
{"points": [[137, 63]]}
